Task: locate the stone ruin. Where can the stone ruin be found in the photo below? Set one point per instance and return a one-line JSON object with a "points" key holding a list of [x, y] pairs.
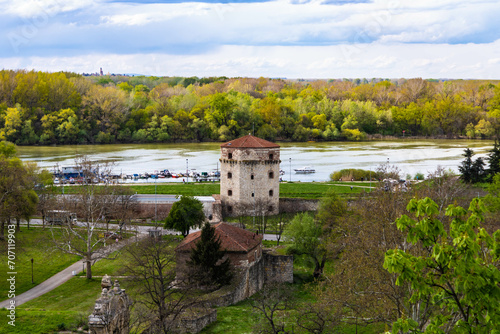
{"points": [[111, 311]]}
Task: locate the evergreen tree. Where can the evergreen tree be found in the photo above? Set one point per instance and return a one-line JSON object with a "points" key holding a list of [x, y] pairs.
{"points": [[466, 167], [478, 172], [206, 258], [494, 159]]}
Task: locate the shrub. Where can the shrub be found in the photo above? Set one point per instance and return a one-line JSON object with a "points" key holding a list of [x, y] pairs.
{"points": [[349, 174]]}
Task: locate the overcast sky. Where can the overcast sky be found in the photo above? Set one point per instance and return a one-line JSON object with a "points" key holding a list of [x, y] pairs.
{"points": [[252, 38]]}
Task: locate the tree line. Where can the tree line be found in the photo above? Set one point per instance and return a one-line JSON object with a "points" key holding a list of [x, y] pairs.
{"points": [[40, 108]]}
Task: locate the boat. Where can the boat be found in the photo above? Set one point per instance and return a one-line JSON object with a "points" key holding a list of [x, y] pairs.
{"points": [[305, 170]]}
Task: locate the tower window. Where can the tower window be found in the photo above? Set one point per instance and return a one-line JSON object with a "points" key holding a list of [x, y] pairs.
{"points": [[253, 194], [271, 175], [251, 177], [270, 157], [271, 192], [270, 208], [229, 208], [230, 192], [229, 175], [229, 155]]}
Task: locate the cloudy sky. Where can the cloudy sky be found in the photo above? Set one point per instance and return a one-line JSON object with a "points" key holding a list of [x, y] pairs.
{"points": [[251, 38]]}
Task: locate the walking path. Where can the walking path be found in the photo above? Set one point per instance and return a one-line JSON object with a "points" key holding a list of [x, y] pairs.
{"points": [[61, 277]]}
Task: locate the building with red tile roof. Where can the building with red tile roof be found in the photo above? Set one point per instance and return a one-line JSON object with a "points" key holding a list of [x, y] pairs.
{"points": [[242, 247], [250, 177]]}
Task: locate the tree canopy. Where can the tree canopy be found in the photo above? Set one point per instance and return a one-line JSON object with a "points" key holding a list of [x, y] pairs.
{"points": [[185, 214], [67, 108], [458, 271]]}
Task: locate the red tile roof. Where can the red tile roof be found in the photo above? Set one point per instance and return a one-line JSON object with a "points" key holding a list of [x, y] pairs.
{"points": [[233, 239], [249, 141]]}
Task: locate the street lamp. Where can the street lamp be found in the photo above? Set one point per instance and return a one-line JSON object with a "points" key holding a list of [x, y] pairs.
{"points": [[32, 271], [187, 170], [155, 203], [290, 169]]}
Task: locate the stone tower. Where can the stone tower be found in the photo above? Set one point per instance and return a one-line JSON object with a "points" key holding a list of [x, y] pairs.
{"points": [[250, 177]]}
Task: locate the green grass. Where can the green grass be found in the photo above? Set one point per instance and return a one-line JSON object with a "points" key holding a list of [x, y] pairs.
{"points": [[67, 306], [307, 190], [39, 322], [36, 244], [316, 190]]}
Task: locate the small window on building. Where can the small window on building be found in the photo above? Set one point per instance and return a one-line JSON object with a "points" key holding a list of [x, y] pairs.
{"points": [[230, 192], [229, 155], [270, 208], [270, 157], [253, 195], [271, 175], [229, 208], [229, 175], [271, 192], [251, 177]]}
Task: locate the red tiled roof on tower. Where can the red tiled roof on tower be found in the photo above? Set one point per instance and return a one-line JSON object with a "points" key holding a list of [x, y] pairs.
{"points": [[232, 238], [249, 141]]}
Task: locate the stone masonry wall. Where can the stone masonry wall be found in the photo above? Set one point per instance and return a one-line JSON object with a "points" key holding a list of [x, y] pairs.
{"points": [[247, 171], [298, 204], [278, 268]]}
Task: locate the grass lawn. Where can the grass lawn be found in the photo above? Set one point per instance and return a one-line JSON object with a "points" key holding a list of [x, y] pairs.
{"points": [[307, 190], [36, 244]]}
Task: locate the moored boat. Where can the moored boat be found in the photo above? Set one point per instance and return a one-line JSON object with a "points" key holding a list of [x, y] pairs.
{"points": [[305, 170]]}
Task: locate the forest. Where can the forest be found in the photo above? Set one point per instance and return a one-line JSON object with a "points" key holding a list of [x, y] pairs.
{"points": [[41, 108]]}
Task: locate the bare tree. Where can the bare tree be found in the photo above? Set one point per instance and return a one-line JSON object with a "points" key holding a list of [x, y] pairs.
{"points": [[91, 202], [160, 299], [273, 303]]}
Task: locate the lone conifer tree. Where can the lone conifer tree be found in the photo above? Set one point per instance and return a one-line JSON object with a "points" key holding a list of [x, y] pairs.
{"points": [[205, 260], [494, 159]]}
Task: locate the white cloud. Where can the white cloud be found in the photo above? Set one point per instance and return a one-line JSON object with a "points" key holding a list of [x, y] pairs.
{"points": [[452, 38], [374, 60], [34, 8]]}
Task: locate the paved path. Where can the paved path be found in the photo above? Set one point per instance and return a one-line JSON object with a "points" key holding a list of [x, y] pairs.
{"points": [[60, 278]]}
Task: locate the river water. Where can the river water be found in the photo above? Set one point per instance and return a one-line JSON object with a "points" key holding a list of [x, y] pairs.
{"points": [[410, 156]]}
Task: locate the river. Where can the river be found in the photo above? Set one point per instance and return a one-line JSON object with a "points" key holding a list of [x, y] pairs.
{"points": [[410, 156]]}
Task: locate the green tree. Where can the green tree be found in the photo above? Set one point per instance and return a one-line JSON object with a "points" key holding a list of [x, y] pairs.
{"points": [[17, 197], [185, 214], [494, 159], [206, 263], [465, 167], [458, 271], [306, 235], [492, 199]]}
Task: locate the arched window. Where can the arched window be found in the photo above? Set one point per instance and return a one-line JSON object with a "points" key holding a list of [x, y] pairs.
{"points": [[229, 175], [271, 192], [229, 155], [230, 192], [271, 175]]}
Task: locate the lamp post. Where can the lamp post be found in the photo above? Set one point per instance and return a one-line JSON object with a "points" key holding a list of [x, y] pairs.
{"points": [[32, 271], [187, 170], [155, 203], [290, 159]]}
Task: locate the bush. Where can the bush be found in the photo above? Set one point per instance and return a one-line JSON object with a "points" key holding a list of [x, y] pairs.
{"points": [[349, 174], [419, 176], [353, 134]]}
